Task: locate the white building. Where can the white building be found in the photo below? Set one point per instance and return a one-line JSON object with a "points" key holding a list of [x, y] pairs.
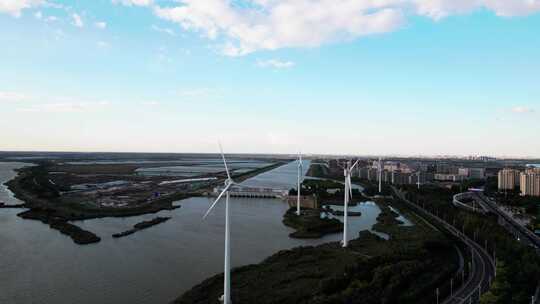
{"points": [[530, 183], [508, 179]]}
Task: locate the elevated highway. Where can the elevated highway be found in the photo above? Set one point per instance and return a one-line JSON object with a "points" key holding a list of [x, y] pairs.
{"points": [[522, 233], [482, 264]]}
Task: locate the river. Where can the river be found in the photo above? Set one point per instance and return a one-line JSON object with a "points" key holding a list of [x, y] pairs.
{"points": [[156, 265]]}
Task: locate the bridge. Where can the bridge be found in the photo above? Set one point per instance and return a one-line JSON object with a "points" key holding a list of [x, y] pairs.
{"points": [[482, 267], [522, 233], [461, 200], [253, 192]]}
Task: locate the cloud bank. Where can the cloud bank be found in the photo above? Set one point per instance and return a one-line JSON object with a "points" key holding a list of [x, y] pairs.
{"points": [[241, 27], [522, 110], [251, 25], [14, 7], [275, 64], [11, 96]]}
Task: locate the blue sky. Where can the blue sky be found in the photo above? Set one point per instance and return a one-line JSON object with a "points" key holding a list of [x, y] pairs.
{"points": [[407, 77]]}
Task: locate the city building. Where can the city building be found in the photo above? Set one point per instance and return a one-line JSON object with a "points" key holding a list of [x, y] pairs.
{"points": [[417, 177], [400, 178], [477, 173], [449, 177], [464, 172], [508, 179], [429, 177], [530, 183], [373, 174], [392, 166]]}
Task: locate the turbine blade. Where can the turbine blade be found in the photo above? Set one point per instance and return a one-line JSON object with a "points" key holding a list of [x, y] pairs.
{"points": [[216, 201], [356, 163], [224, 161]]}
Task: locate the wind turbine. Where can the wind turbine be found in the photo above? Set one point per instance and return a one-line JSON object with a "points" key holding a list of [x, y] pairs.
{"points": [[348, 194], [298, 189], [226, 297], [380, 175]]}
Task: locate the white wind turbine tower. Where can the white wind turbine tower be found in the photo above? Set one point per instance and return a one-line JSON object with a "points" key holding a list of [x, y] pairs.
{"points": [[226, 298], [298, 189], [380, 175], [347, 195]]}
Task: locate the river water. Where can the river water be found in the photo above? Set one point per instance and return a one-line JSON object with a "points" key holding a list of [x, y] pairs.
{"points": [[40, 265]]}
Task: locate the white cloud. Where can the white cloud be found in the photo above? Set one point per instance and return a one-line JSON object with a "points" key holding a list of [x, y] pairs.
{"points": [[77, 20], [275, 63], [100, 25], [167, 31], [11, 96], [66, 107], [438, 9], [275, 24], [38, 15], [14, 7], [134, 2], [197, 92], [522, 110], [103, 44], [51, 19], [150, 103]]}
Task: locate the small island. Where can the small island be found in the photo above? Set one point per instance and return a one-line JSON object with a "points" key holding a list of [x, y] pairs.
{"points": [[330, 210], [141, 226], [46, 216], [309, 224]]}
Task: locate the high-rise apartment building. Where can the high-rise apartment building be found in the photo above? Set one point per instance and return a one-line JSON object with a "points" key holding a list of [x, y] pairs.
{"points": [[530, 183], [508, 179]]}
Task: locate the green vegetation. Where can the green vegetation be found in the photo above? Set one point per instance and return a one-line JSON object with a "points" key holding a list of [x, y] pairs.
{"points": [[317, 170], [78, 235], [142, 225], [406, 269], [35, 180], [321, 187], [386, 219], [500, 290], [310, 224], [371, 188], [519, 260]]}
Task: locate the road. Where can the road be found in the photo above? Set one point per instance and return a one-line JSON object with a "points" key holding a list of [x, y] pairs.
{"points": [[524, 235], [483, 266]]}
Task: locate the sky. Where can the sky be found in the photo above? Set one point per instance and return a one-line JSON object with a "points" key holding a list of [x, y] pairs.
{"points": [[361, 77]]}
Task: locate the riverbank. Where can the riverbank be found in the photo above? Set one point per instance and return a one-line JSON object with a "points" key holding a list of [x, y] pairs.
{"points": [[405, 269], [141, 226], [75, 211], [49, 208], [50, 200]]}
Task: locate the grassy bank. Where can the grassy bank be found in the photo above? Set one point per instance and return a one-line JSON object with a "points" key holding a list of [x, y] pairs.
{"points": [[405, 269]]}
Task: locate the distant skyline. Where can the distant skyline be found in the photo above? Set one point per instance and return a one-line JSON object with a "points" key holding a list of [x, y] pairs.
{"points": [[358, 77]]}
